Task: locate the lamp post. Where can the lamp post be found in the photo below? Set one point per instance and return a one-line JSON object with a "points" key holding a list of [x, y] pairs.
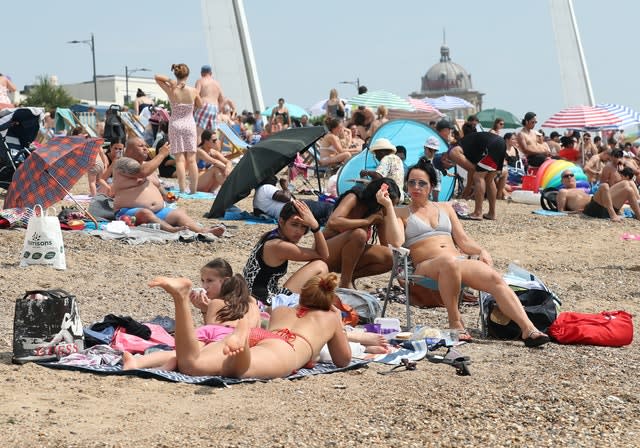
{"points": [[91, 44], [355, 83], [127, 72]]}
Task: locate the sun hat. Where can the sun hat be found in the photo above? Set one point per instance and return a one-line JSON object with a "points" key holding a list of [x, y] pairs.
{"points": [[383, 144], [432, 143]]}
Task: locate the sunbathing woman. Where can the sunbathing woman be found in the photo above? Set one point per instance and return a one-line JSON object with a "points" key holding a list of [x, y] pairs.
{"points": [[269, 259], [433, 234], [223, 300], [294, 338], [355, 214]]}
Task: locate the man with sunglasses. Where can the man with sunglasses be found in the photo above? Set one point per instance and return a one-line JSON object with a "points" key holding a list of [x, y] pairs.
{"points": [[606, 203]]}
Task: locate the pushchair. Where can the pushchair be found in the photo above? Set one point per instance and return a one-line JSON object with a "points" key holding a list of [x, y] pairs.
{"points": [[18, 129]]}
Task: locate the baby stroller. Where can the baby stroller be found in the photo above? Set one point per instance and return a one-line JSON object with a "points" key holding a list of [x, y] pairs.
{"points": [[18, 129]]}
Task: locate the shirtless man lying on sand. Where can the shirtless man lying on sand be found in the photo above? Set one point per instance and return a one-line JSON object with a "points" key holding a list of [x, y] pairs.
{"points": [[606, 203], [137, 191]]}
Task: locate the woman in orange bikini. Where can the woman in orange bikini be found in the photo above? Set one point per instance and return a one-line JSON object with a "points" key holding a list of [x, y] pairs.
{"points": [[294, 338]]}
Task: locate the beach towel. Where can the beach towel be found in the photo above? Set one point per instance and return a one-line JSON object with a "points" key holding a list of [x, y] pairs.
{"points": [[141, 235], [216, 381], [548, 213], [412, 350], [236, 214]]}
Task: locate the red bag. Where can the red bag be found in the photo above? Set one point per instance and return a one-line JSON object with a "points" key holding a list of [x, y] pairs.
{"points": [[608, 328]]}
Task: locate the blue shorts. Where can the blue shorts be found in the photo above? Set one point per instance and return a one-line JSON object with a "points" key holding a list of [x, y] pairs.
{"points": [[162, 213]]}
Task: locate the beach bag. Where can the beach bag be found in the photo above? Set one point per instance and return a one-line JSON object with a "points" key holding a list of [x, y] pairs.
{"points": [[541, 308], [540, 303], [515, 173], [43, 242], [549, 199], [366, 306], [46, 326], [608, 328], [15, 218]]}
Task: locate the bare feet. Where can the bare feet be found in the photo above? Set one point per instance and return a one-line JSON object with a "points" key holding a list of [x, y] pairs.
{"points": [[236, 348], [376, 349], [217, 230], [366, 338], [129, 361], [177, 287]]}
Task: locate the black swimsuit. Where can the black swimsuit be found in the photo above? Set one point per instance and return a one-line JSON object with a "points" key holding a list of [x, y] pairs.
{"points": [[261, 278]]}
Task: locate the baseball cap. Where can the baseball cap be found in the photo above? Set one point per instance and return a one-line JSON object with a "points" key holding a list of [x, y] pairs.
{"points": [[443, 124], [432, 143]]}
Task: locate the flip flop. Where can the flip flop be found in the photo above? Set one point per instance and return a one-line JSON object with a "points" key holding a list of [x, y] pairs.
{"points": [[470, 218], [486, 216], [454, 359], [531, 342]]}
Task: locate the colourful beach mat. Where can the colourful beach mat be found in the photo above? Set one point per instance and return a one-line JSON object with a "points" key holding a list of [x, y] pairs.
{"points": [[216, 381]]}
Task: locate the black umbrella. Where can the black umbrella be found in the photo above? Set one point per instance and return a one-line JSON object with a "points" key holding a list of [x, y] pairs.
{"points": [[265, 159]]}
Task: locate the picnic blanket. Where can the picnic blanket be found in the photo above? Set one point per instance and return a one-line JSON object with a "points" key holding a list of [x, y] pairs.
{"points": [[216, 381]]}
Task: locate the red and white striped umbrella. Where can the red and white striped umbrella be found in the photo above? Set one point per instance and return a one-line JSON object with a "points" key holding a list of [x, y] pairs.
{"points": [[582, 117], [422, 106]]}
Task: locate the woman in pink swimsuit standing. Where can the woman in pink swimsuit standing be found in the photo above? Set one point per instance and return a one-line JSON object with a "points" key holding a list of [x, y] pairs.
{"points": [[182, 126]]}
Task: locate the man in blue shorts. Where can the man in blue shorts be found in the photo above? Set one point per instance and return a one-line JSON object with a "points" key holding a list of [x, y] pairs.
{"points": [[137, 191]]}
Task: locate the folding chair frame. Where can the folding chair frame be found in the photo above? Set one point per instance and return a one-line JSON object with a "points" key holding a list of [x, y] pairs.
{"points": [[401, 259]]}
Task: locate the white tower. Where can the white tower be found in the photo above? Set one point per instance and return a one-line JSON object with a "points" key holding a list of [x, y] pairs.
{"points": [[231, 53], [576, 85]]}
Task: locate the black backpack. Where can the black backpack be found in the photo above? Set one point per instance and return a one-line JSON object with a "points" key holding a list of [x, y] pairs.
{"points": [[113, 126], [548, 199]]}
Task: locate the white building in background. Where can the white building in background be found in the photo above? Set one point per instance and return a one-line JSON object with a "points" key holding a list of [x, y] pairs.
{"points": [[112, 89]]}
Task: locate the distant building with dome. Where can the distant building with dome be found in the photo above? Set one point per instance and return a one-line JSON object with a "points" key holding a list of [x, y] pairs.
{"points": [[448, 78]]}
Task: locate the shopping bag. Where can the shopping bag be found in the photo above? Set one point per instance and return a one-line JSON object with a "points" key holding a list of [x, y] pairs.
{"points": [[43, 242], [46, 326]]}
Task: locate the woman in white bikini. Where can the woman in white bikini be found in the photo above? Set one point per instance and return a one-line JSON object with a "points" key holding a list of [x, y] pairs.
{"points": [[433, 234]]}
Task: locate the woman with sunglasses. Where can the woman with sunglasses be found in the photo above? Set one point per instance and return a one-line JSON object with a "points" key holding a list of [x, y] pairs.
{"points": [[440, 250], [350, 228]]}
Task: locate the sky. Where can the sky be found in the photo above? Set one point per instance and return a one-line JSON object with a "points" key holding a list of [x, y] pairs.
{"points": [[304, 49]]}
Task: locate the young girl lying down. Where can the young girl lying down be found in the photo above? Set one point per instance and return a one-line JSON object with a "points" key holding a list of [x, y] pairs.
{"points": [[294, 338]]}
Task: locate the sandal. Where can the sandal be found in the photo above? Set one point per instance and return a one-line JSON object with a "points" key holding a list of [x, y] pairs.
{"points": [[530, 341], [465, 336], [404, 362]]}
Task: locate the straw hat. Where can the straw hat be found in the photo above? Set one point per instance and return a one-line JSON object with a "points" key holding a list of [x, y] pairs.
{"points": [[383, 144]]}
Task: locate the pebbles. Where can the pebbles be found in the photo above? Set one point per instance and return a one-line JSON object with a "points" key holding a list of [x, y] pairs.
{"points": [[558, 396]]}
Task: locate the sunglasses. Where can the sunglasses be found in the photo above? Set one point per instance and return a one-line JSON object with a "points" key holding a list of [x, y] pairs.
{"points": [[415, 183], [568, 176]]}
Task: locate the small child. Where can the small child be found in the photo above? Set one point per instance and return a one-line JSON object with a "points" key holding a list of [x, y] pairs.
{"points": [[223, 300], [94, 175]]}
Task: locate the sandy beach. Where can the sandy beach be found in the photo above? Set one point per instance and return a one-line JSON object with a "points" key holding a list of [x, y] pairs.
{"points": [[555, 396]]}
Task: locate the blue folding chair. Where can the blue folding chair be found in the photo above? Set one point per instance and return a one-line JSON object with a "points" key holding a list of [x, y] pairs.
{"points": [[400, 272]]}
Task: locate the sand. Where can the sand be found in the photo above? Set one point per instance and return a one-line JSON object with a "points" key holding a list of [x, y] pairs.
{"points": [[556, 396]]}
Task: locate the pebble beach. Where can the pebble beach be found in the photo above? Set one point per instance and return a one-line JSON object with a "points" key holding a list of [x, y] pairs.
{"points": [[554, 396]]}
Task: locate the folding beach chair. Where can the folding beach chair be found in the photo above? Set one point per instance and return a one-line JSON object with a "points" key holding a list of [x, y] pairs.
{"points": [[132, 125], [231, 141], [401, 272], [88, 121], [65, 119]]}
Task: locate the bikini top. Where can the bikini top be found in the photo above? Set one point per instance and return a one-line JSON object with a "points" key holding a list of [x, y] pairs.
{"points": [[418, 230]]}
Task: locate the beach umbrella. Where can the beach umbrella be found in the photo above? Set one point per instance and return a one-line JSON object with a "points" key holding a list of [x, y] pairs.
{"points": [[488, 116], [295, 111], [381, 98], [582, 117], [446, 102], [320, 107], [421, 106], [265, 159], [628, 116], [51, 171]]}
